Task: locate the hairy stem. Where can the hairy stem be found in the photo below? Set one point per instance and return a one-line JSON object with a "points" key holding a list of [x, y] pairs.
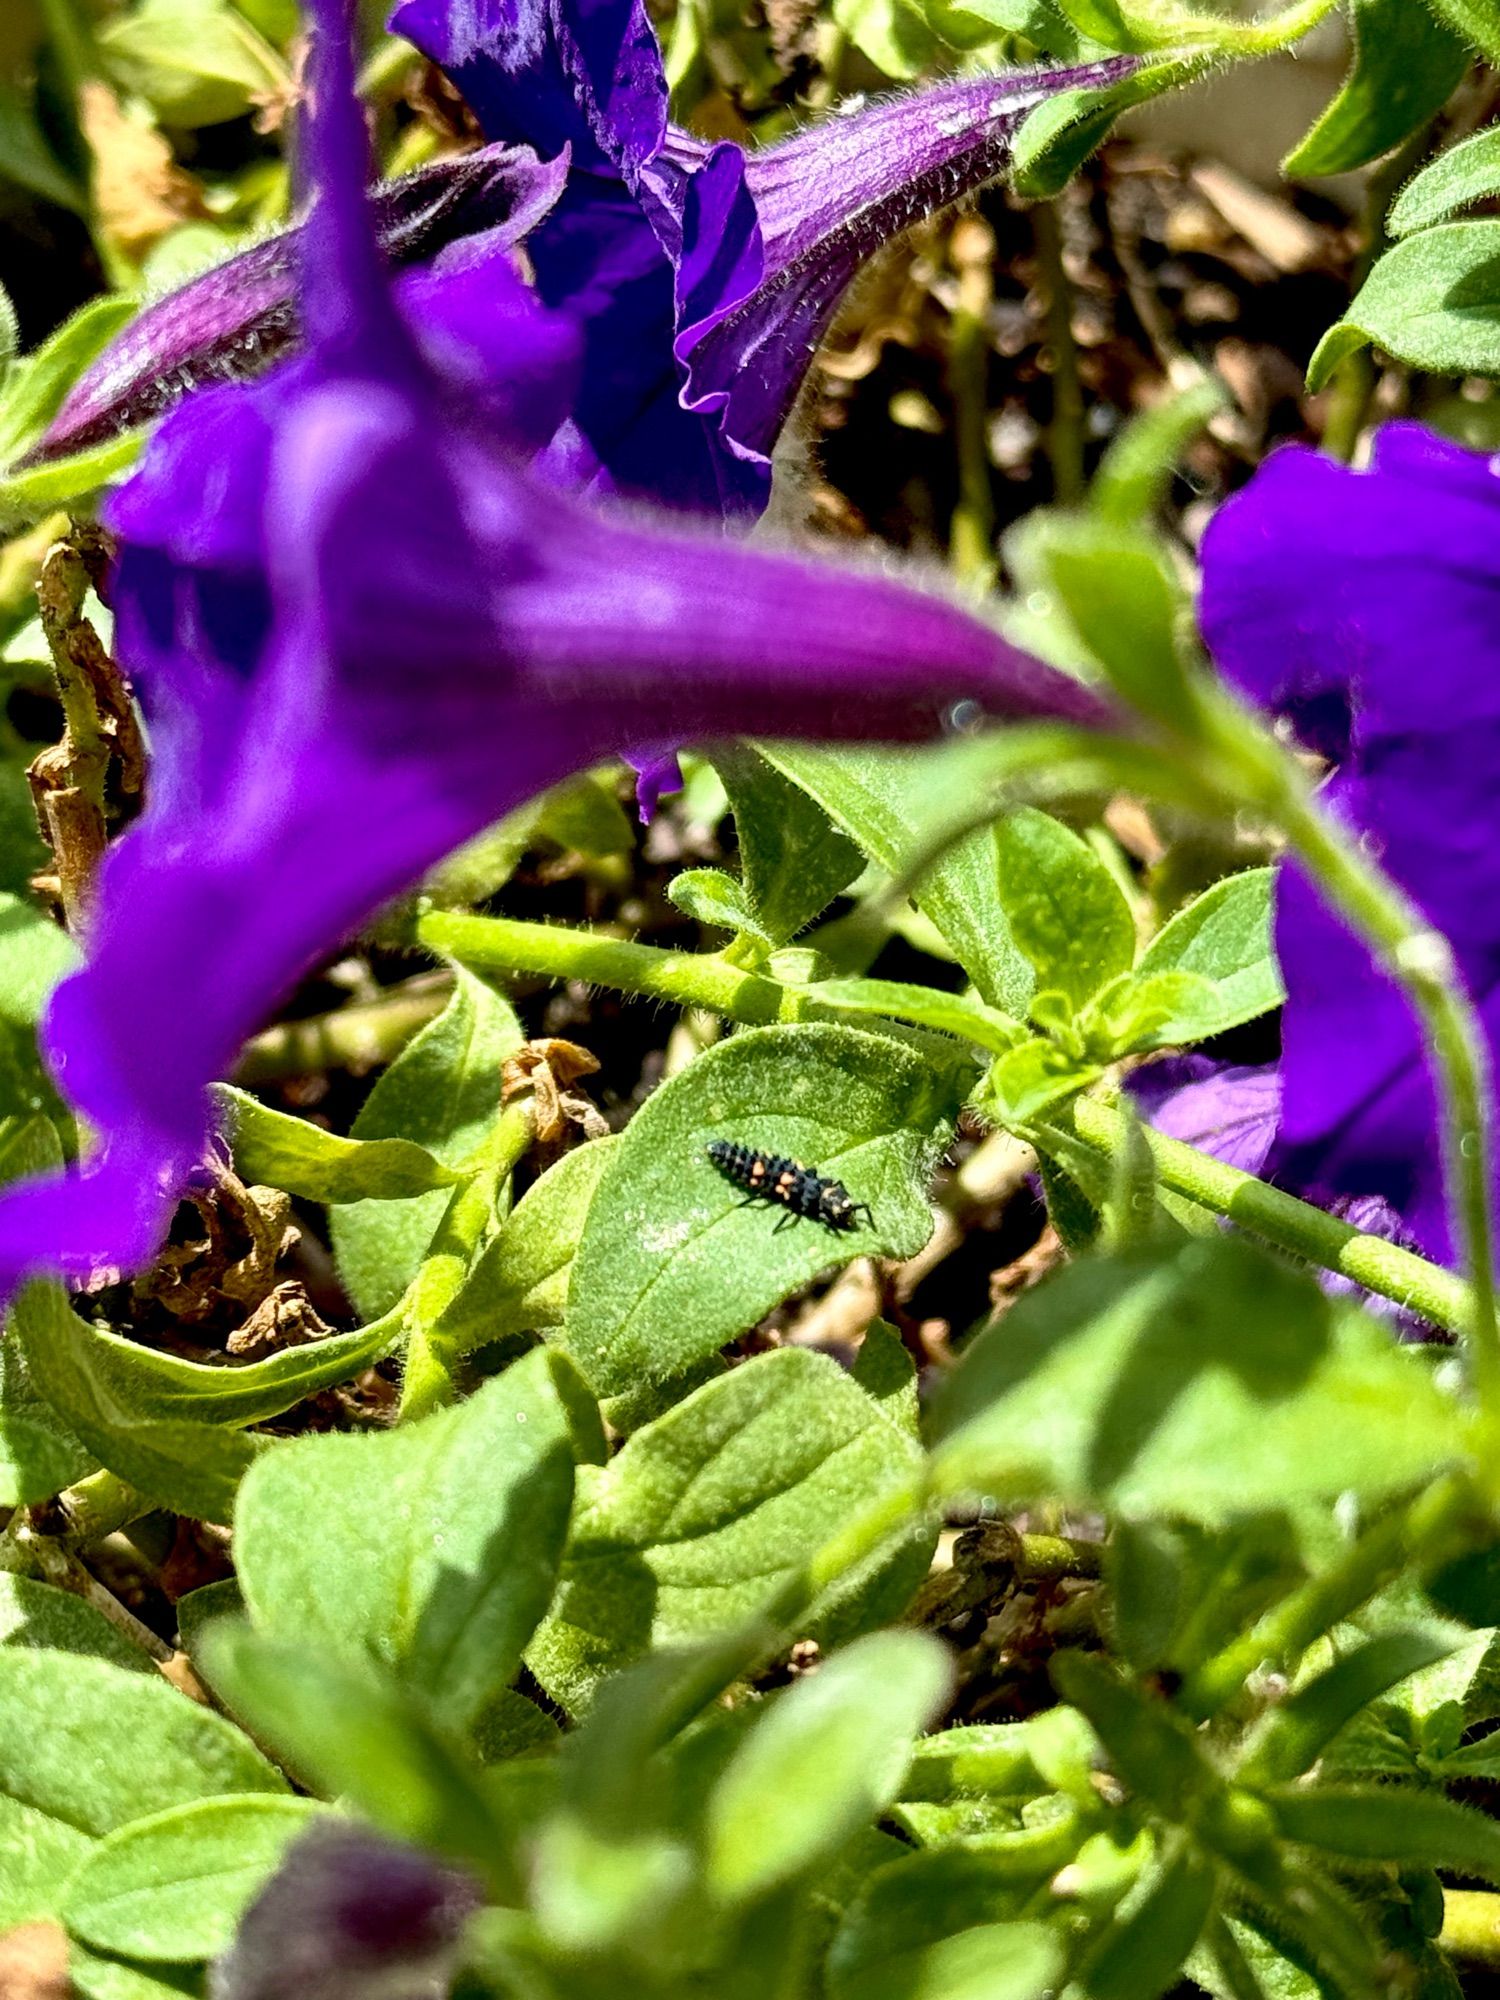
{"points": [[1065, 433], [1471, 1925]]}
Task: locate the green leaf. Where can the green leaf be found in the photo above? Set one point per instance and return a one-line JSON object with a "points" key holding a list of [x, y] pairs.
{"points": [[886, 1372], [196, 62], [273, 1150], [793, 860], [27, 159], [1067, 913], [1477, 22], [39, 1455], [34, 956], [1117, 589], [1061, 133], [1208, 1381], [1406, 65], [894, 34], [672, 1265], [88, 1746], [1137, 469], [519, 1283], [36, 1614], [36, 386], [889, 802], [1432, 301], [1387, 1823], [960, 1014], [1033, 1078], [1295, 1735], [933, 1928], [1180, 1591], [351, 1731], [1155, 1010], [442, 1093], [458, 1523], [95, 1976], [191, 1467], [716, 899], [1224, 936], [696, 1521], [174, 1885], [825, 1759], [1467, 172], [1142, 1951]]}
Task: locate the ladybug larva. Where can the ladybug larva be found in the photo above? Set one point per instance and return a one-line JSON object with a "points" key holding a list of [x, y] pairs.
{"points": [[798, 1189]]}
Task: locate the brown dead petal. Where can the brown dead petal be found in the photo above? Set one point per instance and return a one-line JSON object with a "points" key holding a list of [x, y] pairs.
{"points": [[545, 1068], [838, 1319], [1130, 823], [285, 1317], [34, 1963], [142, 192], [1284, 238], [1044, 1256]]}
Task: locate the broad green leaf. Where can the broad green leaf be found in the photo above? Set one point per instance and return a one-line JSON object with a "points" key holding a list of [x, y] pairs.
{"points": [[34, 955], [1137, 469], [349, 1730], [672, 1264], [196, 62], [88, 1746], [886, 1372], [694, 1523], [36, 1614], [1466, 173], [1478, 23], [27, 159], [96, 1976], [1224, 936], [1067, 914], [945, 1926], [274, 1150], [37, 385], [961, 1014], [1061, 133], [793, 860], [824, 1760], [717, 900], [894, 34], [1180, 1591], [1099, 21], [432, 1549], [190, 1466], [519, 1283], [173, 1886], [1208, 1381], [1415, 1729], [442, 1093], [1406, 66], [889, 802], [39, 1455], [1432, 301]]}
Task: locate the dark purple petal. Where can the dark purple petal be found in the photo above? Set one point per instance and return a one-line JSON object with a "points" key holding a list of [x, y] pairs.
{"points": [[826, 200], [346, 1915], [1366, 606], [241, 315], [581, 73], [362, 632], [1227, 1110]]}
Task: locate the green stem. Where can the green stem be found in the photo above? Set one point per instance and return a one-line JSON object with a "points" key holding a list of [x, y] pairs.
{"points": [[1439, 1524], [1279, 1218], [426, 1383], [96, 1507], [1264, 38], [356, 1037], [1065, 433], [1471, 1926], [688, 979]]}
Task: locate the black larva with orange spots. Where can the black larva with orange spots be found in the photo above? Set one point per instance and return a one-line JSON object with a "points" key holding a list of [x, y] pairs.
{"points": [[773, 1177]]}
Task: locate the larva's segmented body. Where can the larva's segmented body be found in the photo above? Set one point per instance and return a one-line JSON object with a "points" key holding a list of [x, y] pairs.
{"points": [[798, 1189]]}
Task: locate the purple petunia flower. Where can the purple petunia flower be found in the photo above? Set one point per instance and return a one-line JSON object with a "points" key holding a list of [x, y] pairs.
{"points": [[361, 631], [705, 276], [1363, 606], [239, 316]]}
